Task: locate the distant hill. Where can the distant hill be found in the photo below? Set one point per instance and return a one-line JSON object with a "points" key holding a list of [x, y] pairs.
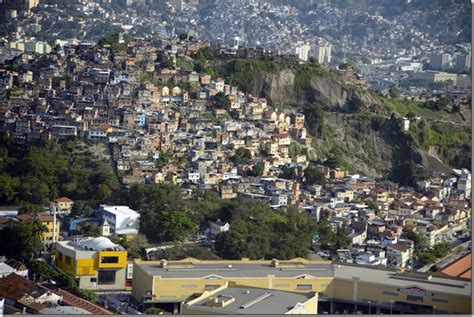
{"points": [[363, 128]]}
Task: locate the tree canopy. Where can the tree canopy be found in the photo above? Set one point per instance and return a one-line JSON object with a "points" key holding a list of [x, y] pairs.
{"points": [[56, 169]]}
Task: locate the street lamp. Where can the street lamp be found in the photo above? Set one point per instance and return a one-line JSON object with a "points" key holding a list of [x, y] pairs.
{"points": [[391, 306], [370, 306]]}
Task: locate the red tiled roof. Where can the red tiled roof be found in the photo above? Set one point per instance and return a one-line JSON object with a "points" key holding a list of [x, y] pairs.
{"points": [[461, 267], [75, 301], [63, 200], [13, 287], [41, 218]]}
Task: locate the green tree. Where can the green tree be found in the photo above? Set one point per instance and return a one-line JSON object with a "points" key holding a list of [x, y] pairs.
{"points": [[441, 250], [103, 192], [419, 239], [341, 238], [66, 280], [288, 173], [28, 236], [88, 295], [8, 188], [335, 159], [355, 104], [406, 173], [40, 269], [175, 225], [258, 232], [394, 92], [92, 230], [443, 104], [136, 246], [327, 236], [314, 116], [372, 205], [241, 156], [427, 257], [314, 176], [221, 100]]}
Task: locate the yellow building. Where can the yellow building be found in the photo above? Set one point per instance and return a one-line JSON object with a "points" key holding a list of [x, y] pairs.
{"points": [[339, 287], [48, 222], [97, 263], [63, 203]]}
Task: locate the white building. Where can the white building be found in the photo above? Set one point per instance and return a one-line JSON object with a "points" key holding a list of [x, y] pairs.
{"points": [[279, 200], [464, 182], [5, 270], [217, 227], [370, 259], [194, 176], [12, 266], [399, 254], [322, 53], [302, 51], [122, 219], [436, 77]]}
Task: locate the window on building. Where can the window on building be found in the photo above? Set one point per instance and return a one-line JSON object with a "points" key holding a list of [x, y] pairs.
{"points": [[211, 287], [68, 260], [390, 293], [440, 300], [93, 279], [106, 277], [188, 286], [415, 298], [304, 286], [109, 259], [60, 256]]}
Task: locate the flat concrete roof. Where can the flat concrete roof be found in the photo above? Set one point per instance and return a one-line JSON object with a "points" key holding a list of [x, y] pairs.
{"points": [[279, 302], [390, 278], [256, 269], [237, 270]]}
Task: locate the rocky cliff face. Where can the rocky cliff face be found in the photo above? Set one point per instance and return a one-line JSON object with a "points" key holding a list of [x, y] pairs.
{"points": [[369, 151], [374, 152], [281, 89]]}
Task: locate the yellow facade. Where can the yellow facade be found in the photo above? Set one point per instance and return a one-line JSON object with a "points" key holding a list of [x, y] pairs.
{"points": [[65, 205], [354, 285], [180, 288], [90, 266], [65, 263], [48, 234], [120, 255]]}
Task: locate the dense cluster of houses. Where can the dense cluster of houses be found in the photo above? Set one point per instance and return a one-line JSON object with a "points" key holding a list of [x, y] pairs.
{"points": [[165, 124]]}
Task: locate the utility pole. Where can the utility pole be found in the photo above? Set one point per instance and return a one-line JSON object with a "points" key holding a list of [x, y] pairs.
{"points": [[54, 223]]}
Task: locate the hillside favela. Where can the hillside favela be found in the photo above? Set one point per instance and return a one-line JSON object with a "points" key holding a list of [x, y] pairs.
{"points": [[235, 157]]}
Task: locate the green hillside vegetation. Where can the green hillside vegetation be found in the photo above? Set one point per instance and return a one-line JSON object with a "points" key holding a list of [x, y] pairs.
{"points": [[41, 174], [256, 230]]}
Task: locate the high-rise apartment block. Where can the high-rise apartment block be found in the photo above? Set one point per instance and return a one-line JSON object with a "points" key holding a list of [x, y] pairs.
{"points": [[463, 62], [440, 61], [322, 53], [302, 51], [30, 4]]}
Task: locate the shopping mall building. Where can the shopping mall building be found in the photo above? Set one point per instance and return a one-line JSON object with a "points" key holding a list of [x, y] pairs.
{"points": [[304, 286]]}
